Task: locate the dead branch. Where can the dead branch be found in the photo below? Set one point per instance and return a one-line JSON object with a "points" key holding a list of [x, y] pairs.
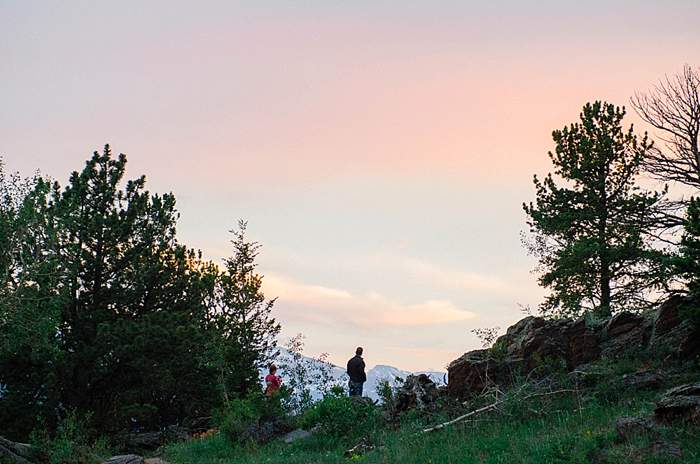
{"points": [[493, 406]]}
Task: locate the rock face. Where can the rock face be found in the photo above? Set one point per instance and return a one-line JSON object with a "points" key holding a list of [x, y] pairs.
{"points": [[679, 404], [534, 344], [673, 335]]}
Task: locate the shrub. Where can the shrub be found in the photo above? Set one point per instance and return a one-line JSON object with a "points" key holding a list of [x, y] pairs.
{"points": [[71, 444], [242, 419], [342, 416]]}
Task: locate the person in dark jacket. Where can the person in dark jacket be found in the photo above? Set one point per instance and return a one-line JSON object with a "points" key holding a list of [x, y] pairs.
{"points": [[356, 372]]}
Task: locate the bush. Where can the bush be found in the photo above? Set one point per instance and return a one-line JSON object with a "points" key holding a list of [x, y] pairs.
{"points": [[71, 444], [243, 419], [342, 416]]}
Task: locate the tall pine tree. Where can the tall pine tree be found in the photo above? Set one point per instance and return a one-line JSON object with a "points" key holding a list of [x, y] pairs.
{"points": [[245, 330], [127, 305], [589, 226]]}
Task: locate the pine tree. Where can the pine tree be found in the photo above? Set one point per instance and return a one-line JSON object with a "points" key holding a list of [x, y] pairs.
{"points": [[589, 227], [127, 300], [242, 319], [688, 262]]}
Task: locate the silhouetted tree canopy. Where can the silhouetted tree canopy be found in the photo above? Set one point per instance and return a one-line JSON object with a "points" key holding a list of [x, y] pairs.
{"points": [[104, 312], [590, 222]]}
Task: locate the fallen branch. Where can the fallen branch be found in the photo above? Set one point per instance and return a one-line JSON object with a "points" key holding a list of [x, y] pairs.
{"points": [[465, 416], [491, 407]]}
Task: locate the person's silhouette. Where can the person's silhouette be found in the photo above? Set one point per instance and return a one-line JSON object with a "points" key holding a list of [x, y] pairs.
{"points": [[356, 372]]}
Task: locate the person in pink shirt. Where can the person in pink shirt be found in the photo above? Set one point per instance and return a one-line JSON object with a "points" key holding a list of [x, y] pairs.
{"points": [[272, 381]]}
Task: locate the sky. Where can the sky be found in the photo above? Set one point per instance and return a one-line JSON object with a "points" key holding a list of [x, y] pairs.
{"points": [[379, 150]]}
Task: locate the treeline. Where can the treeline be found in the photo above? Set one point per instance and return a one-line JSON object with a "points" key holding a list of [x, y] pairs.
{"points": [[105, 315], [603, 242]]}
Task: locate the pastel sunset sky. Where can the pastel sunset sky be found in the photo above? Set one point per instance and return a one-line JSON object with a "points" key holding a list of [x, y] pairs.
{"points": [[380, 150]]}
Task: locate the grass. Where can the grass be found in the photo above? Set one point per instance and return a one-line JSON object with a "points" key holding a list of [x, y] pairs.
{"points": [[545, 430]]}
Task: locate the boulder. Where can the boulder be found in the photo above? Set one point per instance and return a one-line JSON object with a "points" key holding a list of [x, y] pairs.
{"points": [[417, 391], [298, 434], [265, 431], [629, 427], [584, 344], [19, 453], [125, 459], [534, 340], [468, 374], [679, 404], [642, 380], [672, 334], [148, 441], [662, 448], [625, 332]]}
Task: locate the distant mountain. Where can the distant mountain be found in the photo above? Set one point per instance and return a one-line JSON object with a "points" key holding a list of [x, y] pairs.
{"points": [[375, 375]]}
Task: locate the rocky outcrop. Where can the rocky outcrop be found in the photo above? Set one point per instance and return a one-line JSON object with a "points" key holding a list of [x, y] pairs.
{"points": [[534, 344], [624, 333], [671, 334], [679, 404]]}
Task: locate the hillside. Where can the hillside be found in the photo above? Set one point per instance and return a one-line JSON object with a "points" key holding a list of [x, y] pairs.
{"points": [[625, 389]]}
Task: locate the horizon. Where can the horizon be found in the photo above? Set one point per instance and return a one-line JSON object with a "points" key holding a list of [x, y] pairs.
{"points": [[380, 154]]}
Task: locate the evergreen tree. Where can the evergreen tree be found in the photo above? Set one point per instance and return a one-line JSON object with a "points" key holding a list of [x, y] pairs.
{"points": [[242, 319], [29, 314], [688, 263], [589, 227], [127, 303]]}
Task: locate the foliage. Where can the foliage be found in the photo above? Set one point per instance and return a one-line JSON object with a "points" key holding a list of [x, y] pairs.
{"points": [[240, 415], [342, 416], [688, 262], [487, 336], [303, 375], [28, 314], [387, 392], [591, 231], [245, 332], [71, 444], [103, 312]]}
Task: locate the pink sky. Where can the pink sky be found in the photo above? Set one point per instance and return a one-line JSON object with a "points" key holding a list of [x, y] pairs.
{"points": [[380, 150]]}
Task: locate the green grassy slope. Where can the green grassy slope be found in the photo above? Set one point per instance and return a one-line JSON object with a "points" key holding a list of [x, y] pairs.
{"points": [[570, 428]]}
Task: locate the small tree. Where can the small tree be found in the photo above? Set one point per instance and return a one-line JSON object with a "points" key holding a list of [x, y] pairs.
{"points": [[589, 230], [245, 330], [304, 375]]}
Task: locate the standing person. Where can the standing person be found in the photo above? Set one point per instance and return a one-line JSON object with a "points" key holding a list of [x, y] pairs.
{"points": [[272, 381], [356, 372]]}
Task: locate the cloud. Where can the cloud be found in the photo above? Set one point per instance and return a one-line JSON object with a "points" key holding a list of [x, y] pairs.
{"points": [[325, 305], [450, 278]]}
